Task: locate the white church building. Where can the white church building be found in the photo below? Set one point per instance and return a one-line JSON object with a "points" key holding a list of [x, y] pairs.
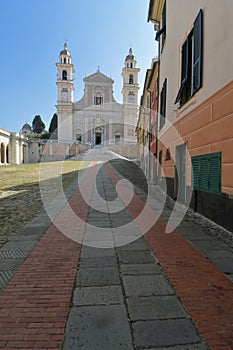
{"points": [[96, 119]]}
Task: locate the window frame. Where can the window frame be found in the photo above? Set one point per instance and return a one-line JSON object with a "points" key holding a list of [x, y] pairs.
{"points": [[131, 79], [191, 62], [79, 137], [98, 100], [163, 103], [160, 164], [161, 34], [164, 24], [64, 75], [117, 138], [203, 167]]}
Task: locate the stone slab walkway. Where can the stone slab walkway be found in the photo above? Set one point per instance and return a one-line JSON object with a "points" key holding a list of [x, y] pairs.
{"points": [[93, 280], [205, 292]]}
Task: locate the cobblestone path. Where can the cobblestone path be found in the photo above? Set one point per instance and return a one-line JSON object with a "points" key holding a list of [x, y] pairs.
{"points": [[105, 276]]}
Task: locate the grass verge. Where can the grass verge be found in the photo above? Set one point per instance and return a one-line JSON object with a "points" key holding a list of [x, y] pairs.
{"points": [[20, 197]]}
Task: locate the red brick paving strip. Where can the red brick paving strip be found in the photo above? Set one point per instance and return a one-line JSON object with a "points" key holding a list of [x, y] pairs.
{"points": [[35, 303], [204, 290]]}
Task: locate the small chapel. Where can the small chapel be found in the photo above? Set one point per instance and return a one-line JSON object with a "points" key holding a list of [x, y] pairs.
{"points": [[97, 118]]}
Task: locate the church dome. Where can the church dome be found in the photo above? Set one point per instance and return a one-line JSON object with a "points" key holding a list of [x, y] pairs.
{"points": [[130, 56], [65, 51], [26, 126], [26, 129]]}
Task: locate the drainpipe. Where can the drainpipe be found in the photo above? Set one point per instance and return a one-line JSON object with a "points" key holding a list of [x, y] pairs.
{"points": [[157, 107]]}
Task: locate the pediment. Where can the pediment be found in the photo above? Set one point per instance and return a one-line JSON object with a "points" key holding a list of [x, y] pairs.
{"points": [[98, 78]]}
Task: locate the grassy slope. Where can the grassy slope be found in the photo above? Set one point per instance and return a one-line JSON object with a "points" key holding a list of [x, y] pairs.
{"points": [[20, 198]]}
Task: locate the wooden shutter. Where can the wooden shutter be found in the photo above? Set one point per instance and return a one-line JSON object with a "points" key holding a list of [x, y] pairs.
{"points": [[195, 165], [198, 52], [164, 19], [207, 172], [163, 104], [215, 173], [184, 71], [204, 173]]}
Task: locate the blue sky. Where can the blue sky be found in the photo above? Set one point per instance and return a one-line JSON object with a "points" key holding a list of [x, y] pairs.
{"points": [[33, 32]]}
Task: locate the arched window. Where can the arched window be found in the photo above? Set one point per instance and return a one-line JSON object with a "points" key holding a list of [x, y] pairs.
{"points": [[7, 155], [131, 79], [98, 99], [168, 154], [64, 75], [98, 96], [131, 65], [64, 60], [2, 153]]}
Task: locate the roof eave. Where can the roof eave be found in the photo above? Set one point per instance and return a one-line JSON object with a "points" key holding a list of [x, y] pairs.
{"points": [[155, 10]]}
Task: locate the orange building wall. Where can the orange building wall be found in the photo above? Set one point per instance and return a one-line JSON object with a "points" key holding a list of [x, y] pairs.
{"points": [[207, 129]]}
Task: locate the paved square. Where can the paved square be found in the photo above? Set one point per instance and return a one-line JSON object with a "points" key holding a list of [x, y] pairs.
{"points": [[151, 308], [99, 262], [164, 333], [146, 285], [98, 277], [138, 257], [98, 328], [105, 295], [140, 269]]}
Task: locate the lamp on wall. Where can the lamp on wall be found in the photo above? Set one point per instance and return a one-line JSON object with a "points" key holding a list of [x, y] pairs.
{"points": [[156, 27]]}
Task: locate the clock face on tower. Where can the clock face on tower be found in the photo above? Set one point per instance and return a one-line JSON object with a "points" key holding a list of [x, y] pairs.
{"points": [[64, 94], [131, 99]]}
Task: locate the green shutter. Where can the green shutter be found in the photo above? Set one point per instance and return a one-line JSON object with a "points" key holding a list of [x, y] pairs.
{"points": [[215, 173], [204, 173], [198, 52], [195, 165], [207, 172]]}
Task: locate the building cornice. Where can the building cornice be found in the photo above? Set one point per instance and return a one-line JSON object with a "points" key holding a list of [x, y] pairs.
{"points": [[155, 11], [153, 76]]}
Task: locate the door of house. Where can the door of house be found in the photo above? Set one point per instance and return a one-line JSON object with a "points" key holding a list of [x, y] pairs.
{"points": [[160, 164], [180, 182], [98, 138]]}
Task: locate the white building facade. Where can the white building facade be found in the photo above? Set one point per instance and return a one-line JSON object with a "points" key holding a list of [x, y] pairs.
{"points": [[96, 119], [13, 148]]}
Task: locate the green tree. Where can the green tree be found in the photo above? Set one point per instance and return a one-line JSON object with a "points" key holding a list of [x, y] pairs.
{"points": [[53, 126], [38, 125]]}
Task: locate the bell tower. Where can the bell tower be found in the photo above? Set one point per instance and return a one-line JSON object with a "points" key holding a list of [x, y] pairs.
{"points": [[65, 87], [130, 79], [130, 95]]}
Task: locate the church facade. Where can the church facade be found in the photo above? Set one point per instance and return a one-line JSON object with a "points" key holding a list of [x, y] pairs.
{"points": [[96, 119]]}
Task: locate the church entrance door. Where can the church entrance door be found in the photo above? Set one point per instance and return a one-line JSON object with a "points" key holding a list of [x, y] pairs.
{"points": [[98, 138]]}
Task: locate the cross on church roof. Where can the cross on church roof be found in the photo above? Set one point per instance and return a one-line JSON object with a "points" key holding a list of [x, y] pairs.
{"points": [[98, 68]]}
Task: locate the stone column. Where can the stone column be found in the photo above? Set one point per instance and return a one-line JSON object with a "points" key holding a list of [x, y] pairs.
{"points": [[110, 130]]}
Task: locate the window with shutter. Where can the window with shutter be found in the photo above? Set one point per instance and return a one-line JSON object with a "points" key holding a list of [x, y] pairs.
{"points": [[197, 54], [195, 166], [164, 24], [204, 173], [215, 173], [163, 98], [207, 172], [162, 32], [184, 72], [191, 62]]}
